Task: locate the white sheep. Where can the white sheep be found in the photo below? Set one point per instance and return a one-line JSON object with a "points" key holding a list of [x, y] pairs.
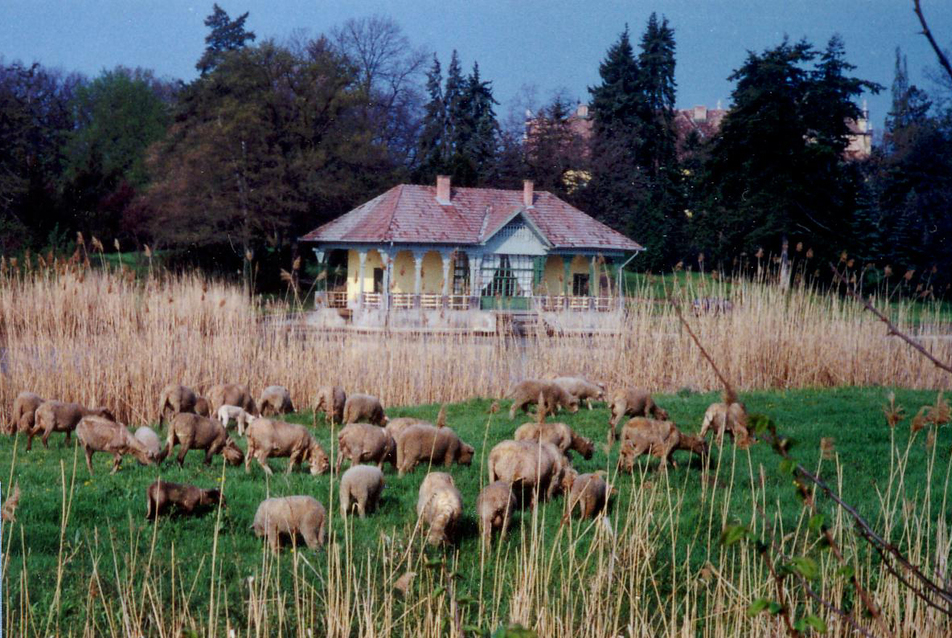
{"points": [[229, 413]]}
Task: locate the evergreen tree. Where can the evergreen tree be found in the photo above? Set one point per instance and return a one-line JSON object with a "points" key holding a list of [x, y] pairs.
{"points": [[477, 129], [432, 150], [226, 35]]}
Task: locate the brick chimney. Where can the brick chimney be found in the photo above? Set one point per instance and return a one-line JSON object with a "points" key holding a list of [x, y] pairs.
{"points": [[443, 189], [700, 113], [527, 193]]}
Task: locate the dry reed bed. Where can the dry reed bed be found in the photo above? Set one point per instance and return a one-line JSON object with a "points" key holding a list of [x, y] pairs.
{"points": [[106, 338]]}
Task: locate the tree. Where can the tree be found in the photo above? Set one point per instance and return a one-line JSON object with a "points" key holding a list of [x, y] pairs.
{"points": [[226, 35], [476, 131], [556, 157], [433, 147]]}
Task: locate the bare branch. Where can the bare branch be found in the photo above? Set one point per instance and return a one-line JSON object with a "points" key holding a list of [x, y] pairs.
{"points": [[943, 60]]}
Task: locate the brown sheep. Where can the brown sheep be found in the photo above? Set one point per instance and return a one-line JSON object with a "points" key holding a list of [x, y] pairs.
{"points": [[722, 418], [558, 434], [276, 399], [231, 394], [148, 438], [396, 426], [57, 416], [423, 443], [582, 389], [291, 516], [191, 431], [177, 398], [97, 434], [632, 402], [494, 507], [588, 492], [658, 438], [186, 498], [527, 392], [24, 412], [528, 466], [360, 486], [364, 443], [439, 507], [331, 400], [364, 408], [270, 438]]}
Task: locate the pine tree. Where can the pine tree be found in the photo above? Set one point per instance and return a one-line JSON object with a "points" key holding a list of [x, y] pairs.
{"points": [[479, 127], [226, 35], [432, 151]]}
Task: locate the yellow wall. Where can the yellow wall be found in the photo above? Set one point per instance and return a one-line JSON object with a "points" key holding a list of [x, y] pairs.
{"points": [[553, 275], [353, 272], [433, 272], [403, 272]]}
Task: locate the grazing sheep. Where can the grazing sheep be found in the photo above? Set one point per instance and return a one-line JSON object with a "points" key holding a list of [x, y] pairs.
{"points": [[527, 392], [290, 516], [331, 400], [582, 389], [632, 402], [276, 399], [228, 413], [722, 418], [151, 441], [186, 498], [97, 434], [270, 438], [24, 412], [365, 443], [364, 408], [589, 492], [423, 443], [177, 398], [57, 416], [191, 431], [202, 408], [658, 438], [396, 426], [439, 507], [361, 485], [494, 507], [528, 466], [558, 434], [231, 394]]}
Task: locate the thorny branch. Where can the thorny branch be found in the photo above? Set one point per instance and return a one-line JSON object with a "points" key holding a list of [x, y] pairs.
{"points": [[943, 60], [893, 330]]}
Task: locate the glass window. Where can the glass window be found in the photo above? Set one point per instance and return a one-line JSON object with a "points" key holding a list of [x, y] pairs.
{"points": [[507, 275], [461, 274]]}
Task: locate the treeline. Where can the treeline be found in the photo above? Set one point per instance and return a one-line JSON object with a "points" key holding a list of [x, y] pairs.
{"points": [[275, 138]]}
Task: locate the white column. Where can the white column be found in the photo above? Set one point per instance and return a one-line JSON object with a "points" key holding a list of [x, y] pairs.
{"points": [[447, 260], [362, 256], [417, 276], [387, 268]]}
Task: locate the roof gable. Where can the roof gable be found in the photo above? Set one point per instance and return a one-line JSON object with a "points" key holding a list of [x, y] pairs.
{"points": [[518, 236]]}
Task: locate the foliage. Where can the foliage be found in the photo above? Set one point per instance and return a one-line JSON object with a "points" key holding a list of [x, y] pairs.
{"points": [[226, 35]]}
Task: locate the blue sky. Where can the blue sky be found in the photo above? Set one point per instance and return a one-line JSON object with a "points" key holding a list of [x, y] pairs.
{"points": [[551, 44]]}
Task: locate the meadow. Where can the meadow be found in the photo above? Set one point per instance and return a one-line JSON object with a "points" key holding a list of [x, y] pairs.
{"points": [[82, 560]]}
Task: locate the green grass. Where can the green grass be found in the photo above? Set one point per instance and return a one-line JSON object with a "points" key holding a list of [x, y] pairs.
{"points": [[108, 511]]}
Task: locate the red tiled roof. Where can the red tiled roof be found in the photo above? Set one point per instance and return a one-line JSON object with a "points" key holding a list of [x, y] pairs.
{"points": [[410, 214]]}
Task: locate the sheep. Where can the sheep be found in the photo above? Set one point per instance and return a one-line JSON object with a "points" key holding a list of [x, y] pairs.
{"points": [[439, 507], [527, 392], [588, 492], [97, 434], [365, 443], [291, 516], [422, 443], [730, 418], [179, 398], [24, 412], [582, 389], [361, 485], [360, 408], [148, 438], [186, 498], [632, 402], [658, 438], [558, 434], [201, 433], [396, 426], [231, 394], [529, 465], [270, 438], [494, 507], [227, 413], [57, 416], [330, 401], [276, 399]]}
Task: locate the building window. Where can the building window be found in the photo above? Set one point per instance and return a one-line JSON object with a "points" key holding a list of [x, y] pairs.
{"points": [[580, 285], [378, 280], [507, 275], [460, 274]]}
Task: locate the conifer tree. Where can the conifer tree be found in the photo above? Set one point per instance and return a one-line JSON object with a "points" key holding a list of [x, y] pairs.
{"points": [[226, 35]]}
